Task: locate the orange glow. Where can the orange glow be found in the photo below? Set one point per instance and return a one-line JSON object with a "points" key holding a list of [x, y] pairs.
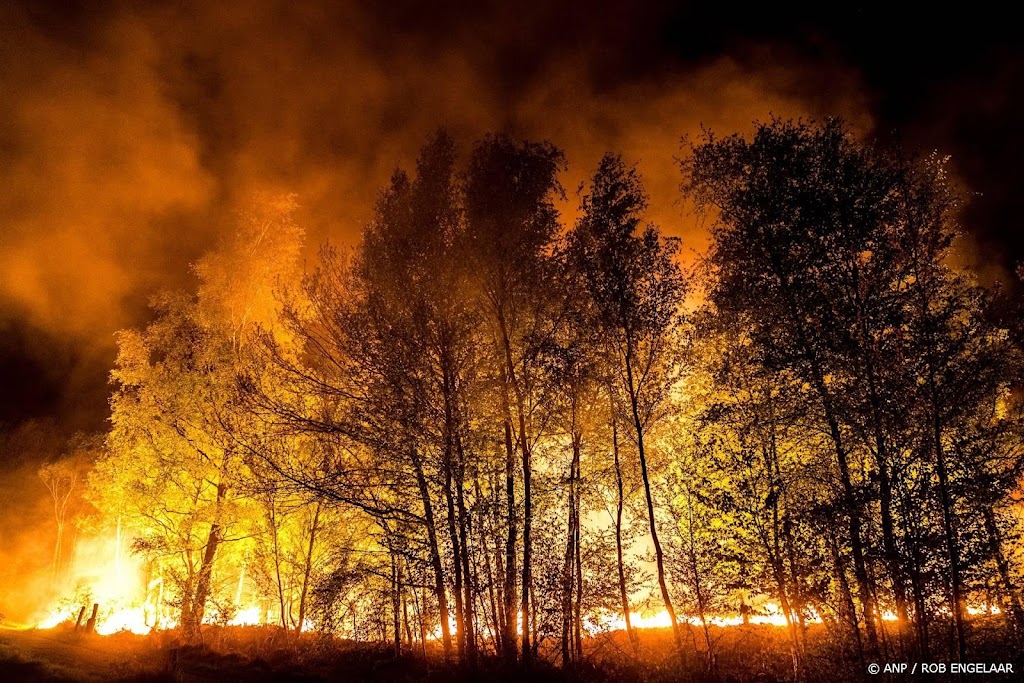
{"points": [[769, 615]]}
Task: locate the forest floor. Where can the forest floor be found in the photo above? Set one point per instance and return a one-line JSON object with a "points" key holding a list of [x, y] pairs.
{"points": [[265, 655]]}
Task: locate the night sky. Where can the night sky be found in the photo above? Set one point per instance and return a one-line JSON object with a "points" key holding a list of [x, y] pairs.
{"points": [[129, 132]]}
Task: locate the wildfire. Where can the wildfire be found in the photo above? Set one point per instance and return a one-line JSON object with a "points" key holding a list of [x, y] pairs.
{"points": [[770, 615], [128, 603], [140, 619], [250, 616]]}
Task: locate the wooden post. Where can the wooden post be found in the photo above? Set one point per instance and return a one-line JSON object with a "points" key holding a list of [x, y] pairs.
{"points": [[90, 626], [78, 623]]}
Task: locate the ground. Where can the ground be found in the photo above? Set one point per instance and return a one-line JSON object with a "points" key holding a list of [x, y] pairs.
{"points": [[266, 654]]}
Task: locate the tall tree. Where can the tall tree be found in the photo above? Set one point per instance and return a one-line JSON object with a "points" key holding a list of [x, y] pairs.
{"points": [[512, 223], [637, 289], [794, 209], [175, 412]]}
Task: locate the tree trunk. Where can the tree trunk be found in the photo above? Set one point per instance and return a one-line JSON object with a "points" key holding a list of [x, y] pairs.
{"points": [[435, 555], [491, 578], [396, 604], [448, 465], [509, 382], [952, 549], [578, 615], [308, 569], [509, 640], [275, 538], [568, 567], [464, 530], [460, 608], [845, 596], [619, 503], [659, 555], [192, 627], [853, 517]]}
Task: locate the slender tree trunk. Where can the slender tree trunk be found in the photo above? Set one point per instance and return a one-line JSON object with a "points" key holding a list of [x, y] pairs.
{"points": [[845, 596], [57, 551], [510, 548], [508, 381], [275, 540], [774, 552], [527, 580], [578, 616], [568, 567], [491, 579], [533, 621], [659, 555], [527, 468], [853, 517], [405, 621], [448, 465], [420, 605], [509, 639], [500, 580], [464, 532], [912, 534], [460, 608], [308, 569], [567, 587], [952, 549], [619, 504], [396, 604], [435, 555], [893, 561]]}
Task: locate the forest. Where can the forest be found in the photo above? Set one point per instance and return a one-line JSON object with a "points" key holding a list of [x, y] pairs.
{"points": [[518, 427]]}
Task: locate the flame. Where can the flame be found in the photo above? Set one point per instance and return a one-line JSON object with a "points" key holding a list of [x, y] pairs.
{"points": [[983, 608], [135, 619], [129, 619], [141, 619], [769, 615], [127, 603], [56, 618], [250, 616]]}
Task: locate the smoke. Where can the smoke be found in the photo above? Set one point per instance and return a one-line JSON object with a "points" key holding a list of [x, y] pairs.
{"points": [[94, 157], [129, 136]]}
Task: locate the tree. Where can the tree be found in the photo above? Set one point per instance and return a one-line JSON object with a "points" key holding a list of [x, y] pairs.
{"points": [[64, 479], [175, 413], [637, 290], [511, 224], [834, 255], [795, 207]]}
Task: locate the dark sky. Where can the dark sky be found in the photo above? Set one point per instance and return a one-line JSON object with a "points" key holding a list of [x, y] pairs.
{"points": [[128, 132]]}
